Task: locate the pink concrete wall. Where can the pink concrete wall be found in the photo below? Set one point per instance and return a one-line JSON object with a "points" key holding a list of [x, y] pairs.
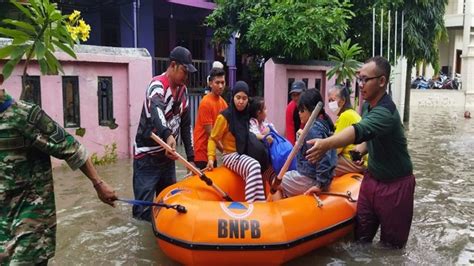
{"points": [[276, 87], [130, 74]]}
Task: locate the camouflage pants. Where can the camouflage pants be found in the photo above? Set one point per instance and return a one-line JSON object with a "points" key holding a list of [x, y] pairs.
{"points": [[27, 224]]}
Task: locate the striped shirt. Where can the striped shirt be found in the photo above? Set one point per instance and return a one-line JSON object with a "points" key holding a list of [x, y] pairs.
{"points": [[164, 115]]}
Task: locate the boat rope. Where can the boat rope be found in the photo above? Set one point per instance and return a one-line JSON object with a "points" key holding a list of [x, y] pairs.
{"points": [[318, 200], [179, 208]]}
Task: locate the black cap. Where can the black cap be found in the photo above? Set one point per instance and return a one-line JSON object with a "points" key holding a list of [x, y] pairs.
{"points": [[298, 86], [183, 56]]}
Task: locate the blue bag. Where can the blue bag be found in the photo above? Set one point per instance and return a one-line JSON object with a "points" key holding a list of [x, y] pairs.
{"points": [[279, 151]]}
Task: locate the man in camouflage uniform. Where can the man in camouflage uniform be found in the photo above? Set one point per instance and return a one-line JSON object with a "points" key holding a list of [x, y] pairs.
{"points": [[28, 136]]}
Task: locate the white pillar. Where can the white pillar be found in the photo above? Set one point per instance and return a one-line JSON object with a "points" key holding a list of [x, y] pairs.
{"points": [[388, 36], [373, 32], [398, 86], [381, 32], [468, 57]]}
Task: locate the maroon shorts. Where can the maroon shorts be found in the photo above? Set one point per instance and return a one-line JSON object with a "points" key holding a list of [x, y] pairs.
{"points": [[388, 204]]}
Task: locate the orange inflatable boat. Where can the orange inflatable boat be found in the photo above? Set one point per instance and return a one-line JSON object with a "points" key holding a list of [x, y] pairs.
{"points": [[218, 232]]}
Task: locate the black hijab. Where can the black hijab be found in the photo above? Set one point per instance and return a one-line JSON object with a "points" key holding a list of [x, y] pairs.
{"points": [[239, 120]]}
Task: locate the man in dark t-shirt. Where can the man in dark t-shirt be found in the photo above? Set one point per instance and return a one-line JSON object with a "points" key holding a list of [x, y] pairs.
{"points": [[387, 190]]}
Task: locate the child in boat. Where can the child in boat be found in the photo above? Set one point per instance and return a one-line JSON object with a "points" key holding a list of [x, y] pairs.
{"points": [[232, 130], [310, 177], [258, 123]]}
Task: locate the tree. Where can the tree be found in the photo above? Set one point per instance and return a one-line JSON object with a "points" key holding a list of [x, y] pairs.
{"points": [[346, 65], [43, 31], [423, 30], [289, 28]]}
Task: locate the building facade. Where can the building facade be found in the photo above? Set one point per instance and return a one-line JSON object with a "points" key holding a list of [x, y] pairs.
{"points": [[98, 98], [457, 54]]}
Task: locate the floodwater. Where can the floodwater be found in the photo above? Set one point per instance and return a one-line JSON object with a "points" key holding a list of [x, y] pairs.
{"points": [[441, 144]]}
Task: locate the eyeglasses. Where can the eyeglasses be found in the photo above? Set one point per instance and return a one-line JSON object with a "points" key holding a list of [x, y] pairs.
{"points": [[364, 80]]}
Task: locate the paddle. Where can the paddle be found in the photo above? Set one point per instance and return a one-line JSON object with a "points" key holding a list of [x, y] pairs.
{"points": [[177, 207], [296, 148], [191, 167]]}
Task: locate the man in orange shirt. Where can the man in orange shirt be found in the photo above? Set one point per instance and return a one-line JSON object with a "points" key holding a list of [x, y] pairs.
{"points": [[210, 107]]}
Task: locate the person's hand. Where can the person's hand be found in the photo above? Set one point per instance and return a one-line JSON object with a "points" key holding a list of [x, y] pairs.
{"points": [[269, 139], [188, 172], [298, 133], [210, 165], [172, 143], [105, 192], [313, 190], [361, 149], [315, 153]]}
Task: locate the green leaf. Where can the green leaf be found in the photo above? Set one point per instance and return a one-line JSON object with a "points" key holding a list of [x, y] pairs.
{"points": [[20, 40], [9, 66], [43, 66], [55, 14], [40, 50], [47, 40], [53, 63], [65, 48], [22, 9], [6, 51], [34, 5], [13, 33], [19, 51], [80, 132], [20, 24]]}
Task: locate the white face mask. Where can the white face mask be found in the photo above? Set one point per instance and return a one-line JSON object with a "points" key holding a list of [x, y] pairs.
{"points": [[333, 107]]}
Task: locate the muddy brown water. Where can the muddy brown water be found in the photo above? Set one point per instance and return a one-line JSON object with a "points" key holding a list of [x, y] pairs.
{"points": [[441, 143]]}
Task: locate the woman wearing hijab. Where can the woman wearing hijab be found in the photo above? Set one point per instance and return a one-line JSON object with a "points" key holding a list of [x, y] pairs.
{"points": [[232, 130]]}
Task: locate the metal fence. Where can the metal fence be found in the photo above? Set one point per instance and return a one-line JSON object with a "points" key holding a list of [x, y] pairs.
{"points": [[194, 100], [196, 80]]}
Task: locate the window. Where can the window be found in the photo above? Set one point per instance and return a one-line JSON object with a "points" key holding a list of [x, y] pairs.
{"points": [[318, 84], [106, 101], [305, 82], [71, 101], [32, 89]]}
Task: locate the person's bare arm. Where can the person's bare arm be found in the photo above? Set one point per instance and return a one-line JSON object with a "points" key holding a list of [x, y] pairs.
{"points": [[321, 146], [104, 191]]}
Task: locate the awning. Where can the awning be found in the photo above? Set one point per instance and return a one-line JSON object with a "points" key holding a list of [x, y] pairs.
{"points": [[195, 3]]}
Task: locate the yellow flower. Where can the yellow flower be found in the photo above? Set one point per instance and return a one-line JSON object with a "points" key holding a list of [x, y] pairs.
{"points": [[84, 29], [74, 36], [73, 31], [77, 27], [74, 15]]}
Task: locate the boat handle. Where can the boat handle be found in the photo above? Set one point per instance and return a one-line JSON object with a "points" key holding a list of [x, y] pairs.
{"points": [[348, 195]]}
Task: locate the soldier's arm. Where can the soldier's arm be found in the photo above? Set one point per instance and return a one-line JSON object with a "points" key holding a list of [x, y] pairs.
{"points": [[47, 136]]}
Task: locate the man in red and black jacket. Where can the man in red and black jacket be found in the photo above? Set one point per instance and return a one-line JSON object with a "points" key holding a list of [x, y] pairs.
{"points": [[166, 113], [293, 122]]}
